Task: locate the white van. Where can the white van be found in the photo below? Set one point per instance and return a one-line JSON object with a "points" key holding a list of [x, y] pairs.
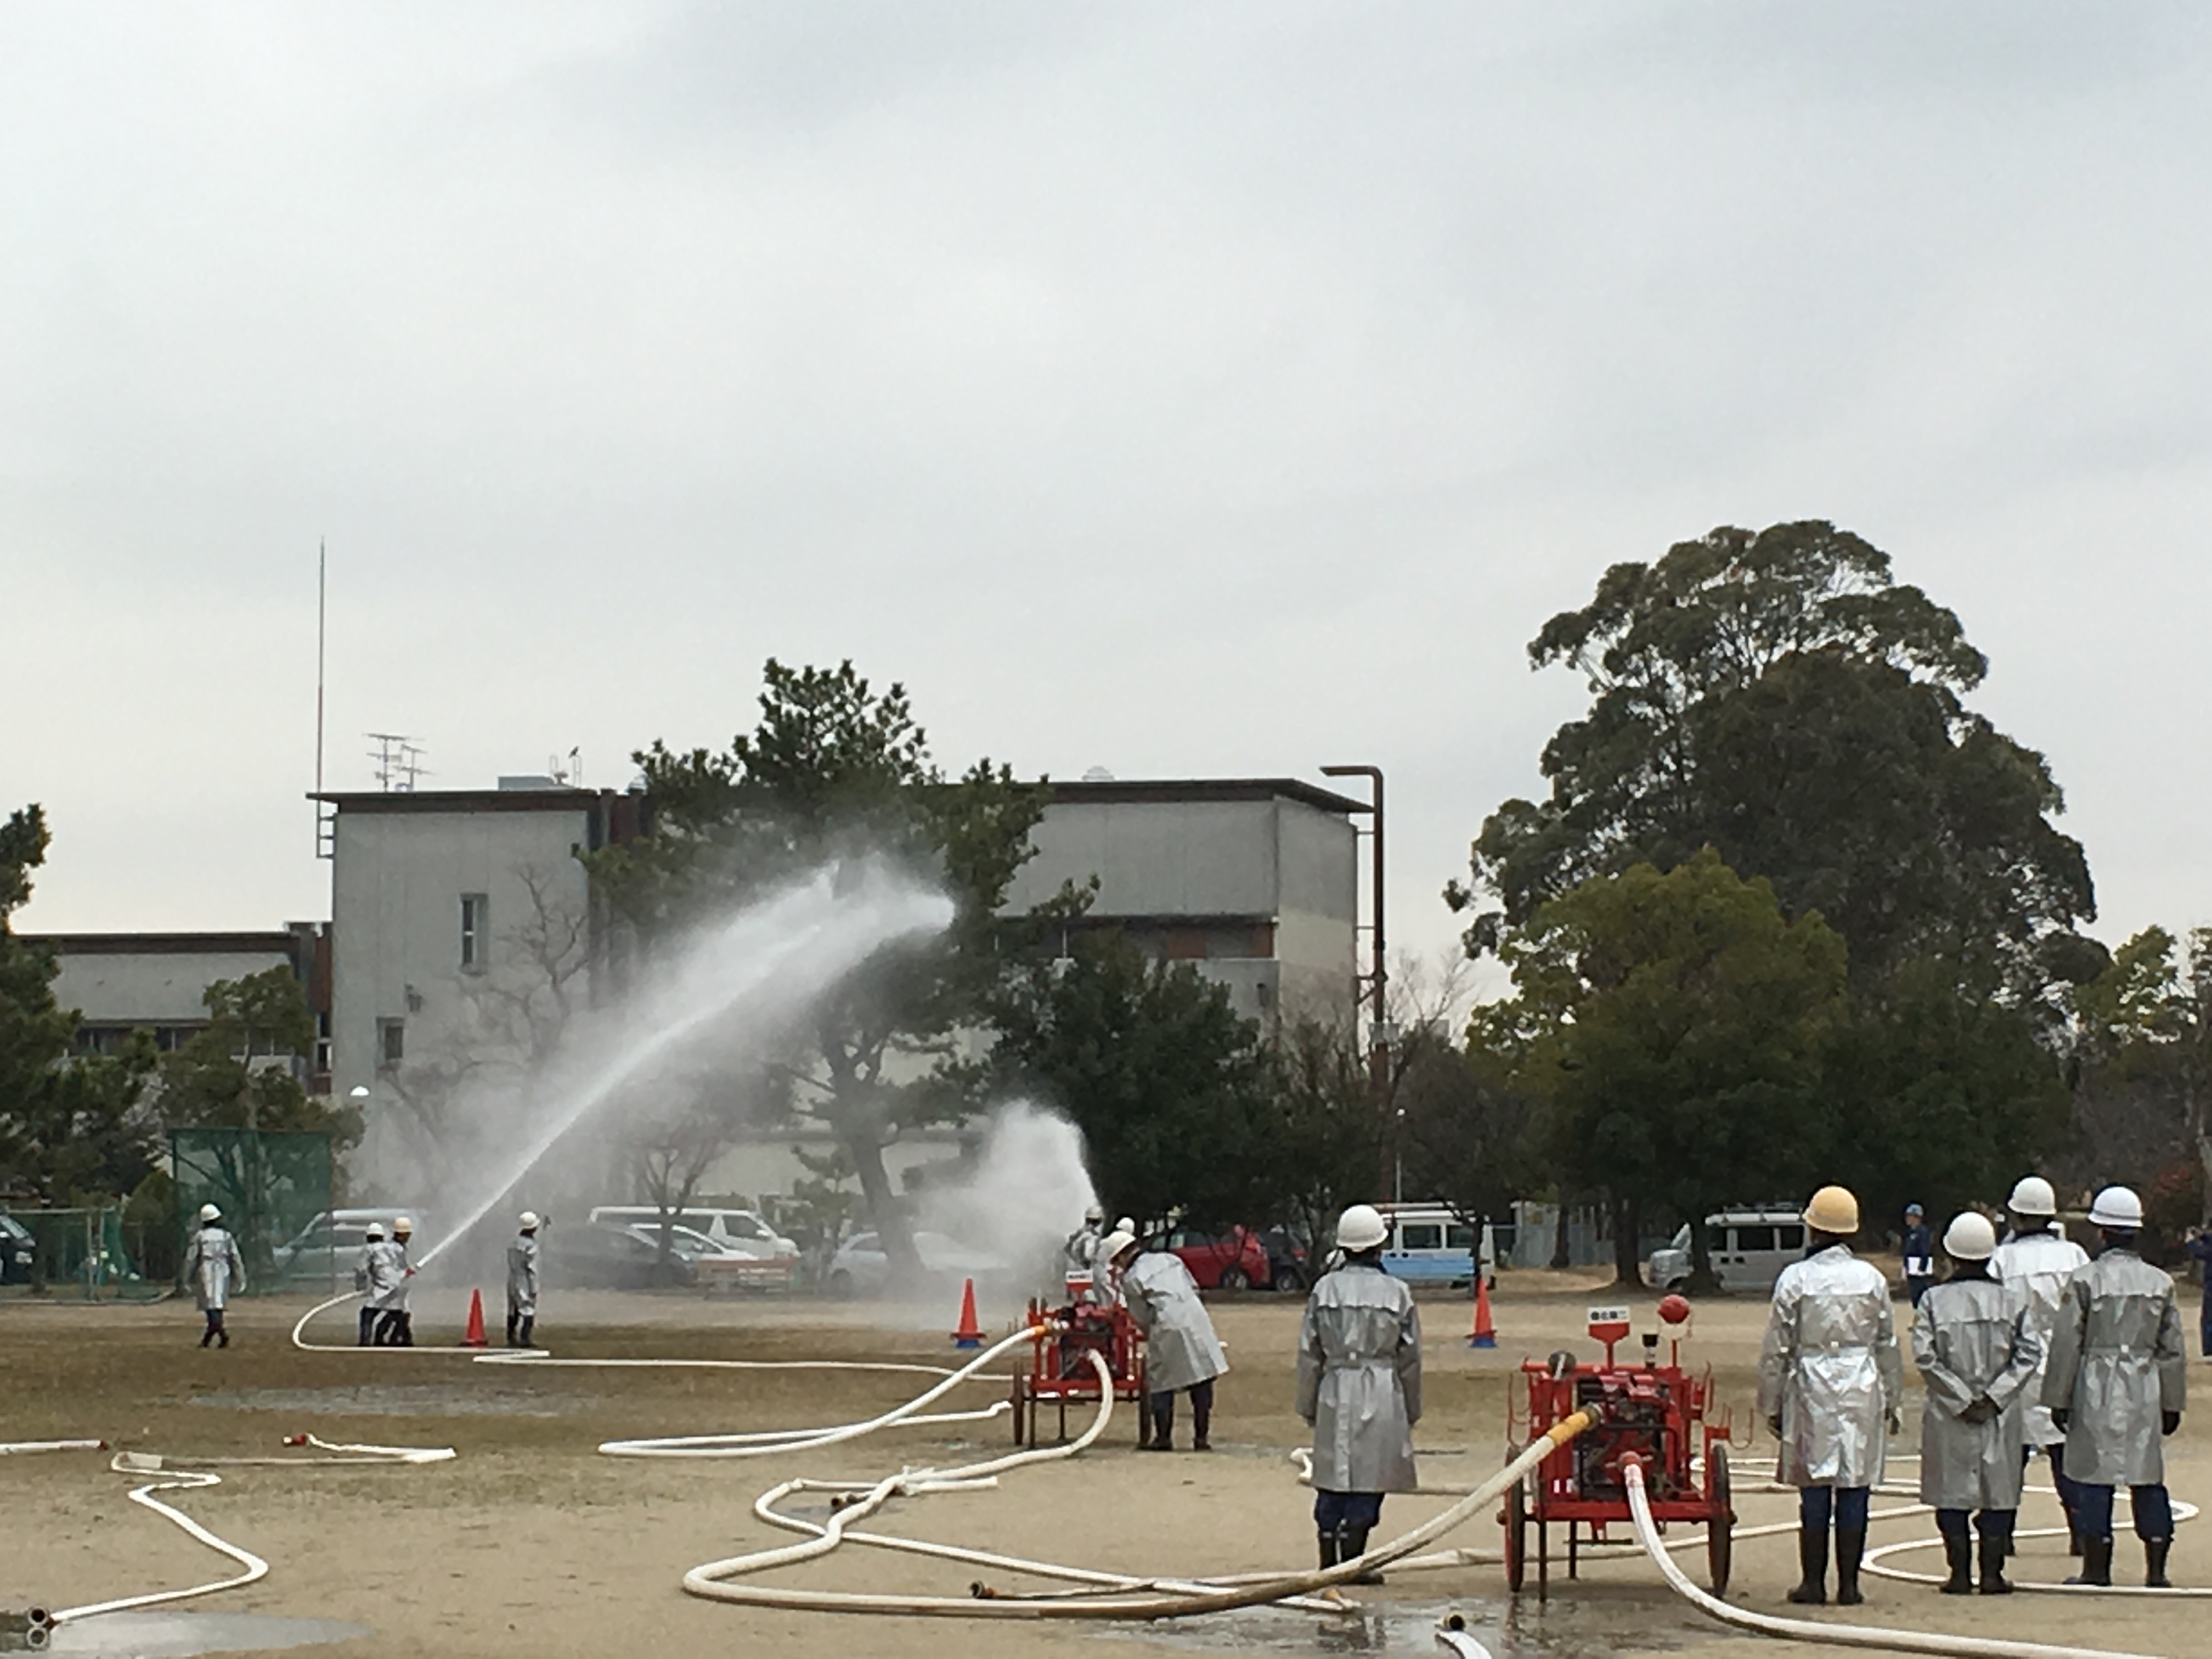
{"points": [[1750, 1248], [1430, 1244], [740, 1231]]}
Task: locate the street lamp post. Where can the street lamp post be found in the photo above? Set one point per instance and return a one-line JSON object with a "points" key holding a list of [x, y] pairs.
{"points": [[1380, 1031]]}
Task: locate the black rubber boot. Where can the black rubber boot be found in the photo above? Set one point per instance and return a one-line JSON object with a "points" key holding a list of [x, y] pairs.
{"points": [[1812, 1590], [222, 1337], [2096, 1563], [2155, 1551], [1959, 1554], [1201, 1419], [1332, 1550], [1850, 1546], [367, 1325], [1354, 1545], [1994, 1550], [207, 1336], [529, 1330]]}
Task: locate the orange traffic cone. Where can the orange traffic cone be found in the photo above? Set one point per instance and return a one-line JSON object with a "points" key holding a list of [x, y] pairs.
{"points": [[1484, 1334], [474, 1336], [970, 1334]]}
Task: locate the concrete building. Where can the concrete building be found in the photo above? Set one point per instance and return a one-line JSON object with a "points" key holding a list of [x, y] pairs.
{"points": [[1253, 881], [446, 906], [122, 982]]}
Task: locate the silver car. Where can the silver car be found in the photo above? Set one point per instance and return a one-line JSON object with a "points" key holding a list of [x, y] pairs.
{"points": [[1750, 1248]]}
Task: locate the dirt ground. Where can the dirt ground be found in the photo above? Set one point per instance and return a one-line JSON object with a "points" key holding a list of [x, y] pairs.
{"points": [[533, 1543]]}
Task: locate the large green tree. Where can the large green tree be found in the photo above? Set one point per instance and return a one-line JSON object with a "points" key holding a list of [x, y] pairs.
{"points": [[2144, 1032], [1778, 696], [836, 768], [1676, 1026], [239, 1070], [1174, 1090], [34, 1032]]}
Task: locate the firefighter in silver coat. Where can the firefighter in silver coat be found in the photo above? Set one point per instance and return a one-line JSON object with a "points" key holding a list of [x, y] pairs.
{"points": [[1360, 1386], [214, 1268], [522, 1282], [1829, 1381], [2034, 1264], [2116, 1383], [1978, 1354], [365, 1279], [1182, 1352]]}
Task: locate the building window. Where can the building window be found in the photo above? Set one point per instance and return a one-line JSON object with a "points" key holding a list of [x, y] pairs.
{"points": [[391, 1043], [474, 910]]}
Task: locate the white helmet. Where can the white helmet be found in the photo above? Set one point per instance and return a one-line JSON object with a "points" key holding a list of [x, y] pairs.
{"points": [[401, 1226], [374, 1232], [2117, 1207], [529, 1221], [1119, 1240], [2032, 1195], [208, 1212], [1361, 1228], [1094, 1212], [1124, 1225], [1970, 1238]]}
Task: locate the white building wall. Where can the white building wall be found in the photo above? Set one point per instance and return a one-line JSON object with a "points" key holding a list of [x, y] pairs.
{"points": [[154, 988], [1197, 857], [396, 884]]}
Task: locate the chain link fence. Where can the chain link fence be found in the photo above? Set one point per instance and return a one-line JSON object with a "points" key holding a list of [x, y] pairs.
{"points": [[71, 1251], [274, 1190]]}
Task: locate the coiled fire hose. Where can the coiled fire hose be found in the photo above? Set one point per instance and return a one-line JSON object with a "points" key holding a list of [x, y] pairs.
{"points": [[1847, 1635]]}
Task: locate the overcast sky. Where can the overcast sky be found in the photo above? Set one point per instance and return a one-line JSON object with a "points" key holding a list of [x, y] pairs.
{"points": [[1183, 389]]}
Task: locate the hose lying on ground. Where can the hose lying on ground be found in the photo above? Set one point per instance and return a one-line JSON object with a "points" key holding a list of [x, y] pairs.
{"points": [[1848, 1636], [177, 1479]]}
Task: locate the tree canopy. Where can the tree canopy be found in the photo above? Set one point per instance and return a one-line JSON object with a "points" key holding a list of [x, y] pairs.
{"points": [[835, 767], [1675, 1026], [1777, 696]]}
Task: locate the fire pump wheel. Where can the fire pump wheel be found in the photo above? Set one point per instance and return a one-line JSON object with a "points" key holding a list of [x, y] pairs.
{"points": [[1720, 1545], [1517, 1536]]}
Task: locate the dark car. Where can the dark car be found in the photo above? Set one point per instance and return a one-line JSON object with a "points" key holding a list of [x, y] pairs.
{"points": [[595, 1256], [1288, 1266], [17, 1249]]}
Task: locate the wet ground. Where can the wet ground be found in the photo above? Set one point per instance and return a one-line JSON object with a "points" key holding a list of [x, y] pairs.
{"points": [[468, 1399], [1585, 1626], [153, 1634]]}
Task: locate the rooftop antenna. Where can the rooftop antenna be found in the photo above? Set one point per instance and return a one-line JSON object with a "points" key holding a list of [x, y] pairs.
{"points": [[322, 621], [390, 758]]}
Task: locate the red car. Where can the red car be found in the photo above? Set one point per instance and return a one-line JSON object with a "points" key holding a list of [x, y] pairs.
{"points": [[1234, 1260]]}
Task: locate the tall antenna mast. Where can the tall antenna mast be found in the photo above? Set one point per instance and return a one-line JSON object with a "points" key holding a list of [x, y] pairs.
{"points": [[322, 621]]}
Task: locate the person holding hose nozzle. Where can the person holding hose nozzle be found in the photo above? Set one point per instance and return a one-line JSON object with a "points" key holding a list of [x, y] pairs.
{"points": [[1359, 1386], [1829, 1381], [2034, 1265], [522, 1282], [1977, 1352], [1181, 1350], [215, 1269], [2116, 1384], [395, 1328]]}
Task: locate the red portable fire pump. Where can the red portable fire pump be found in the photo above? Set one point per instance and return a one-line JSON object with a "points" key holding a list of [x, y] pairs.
{"points": [[1651, 1413], [1060, 1369]]}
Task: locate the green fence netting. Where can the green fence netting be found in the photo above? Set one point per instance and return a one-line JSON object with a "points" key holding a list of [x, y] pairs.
{"points": [[73, 1252], [274, 1190]]}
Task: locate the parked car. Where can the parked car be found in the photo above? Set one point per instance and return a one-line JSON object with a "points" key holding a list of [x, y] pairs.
{"points": [[18, 1250], [738, 1229], [1750, 1248], [1289, 1268], [721, 1267], [1234, 1260], [331, 1244], [862, 1268], [1430, 1244], [596, 1256]]}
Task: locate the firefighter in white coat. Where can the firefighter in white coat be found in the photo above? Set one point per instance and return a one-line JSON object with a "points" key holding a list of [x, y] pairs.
{"points": [[2034, 1264], [214, 1268], [1181, 1354], [1976, 1354], [522, 1282], [1829, 1381], [2117, 1383], [366, 1279], [395, 1327], [1359, 1386]]}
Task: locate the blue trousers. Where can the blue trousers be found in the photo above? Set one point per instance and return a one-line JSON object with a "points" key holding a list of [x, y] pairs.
{"points": [[1848, 1504], [2070, 1492], [1333, 1512], [2154, 1511], [1990, 1523]]}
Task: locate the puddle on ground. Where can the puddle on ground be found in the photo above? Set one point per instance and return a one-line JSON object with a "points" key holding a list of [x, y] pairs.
{"points": [[156, 1635], [388, 1399], [1582, 1625]]}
